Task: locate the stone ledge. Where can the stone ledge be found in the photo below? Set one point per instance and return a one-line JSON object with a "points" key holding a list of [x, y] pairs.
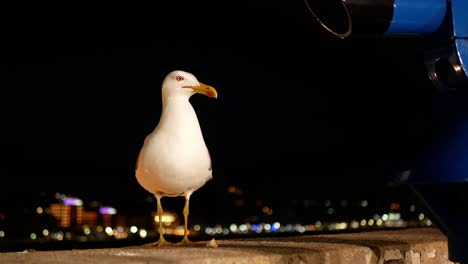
{"points": [[414, 245]]}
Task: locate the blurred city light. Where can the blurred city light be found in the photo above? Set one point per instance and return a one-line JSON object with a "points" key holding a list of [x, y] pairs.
{"points": [[166, 218], [79, 222], [143, 233], [133, 229], [107, 210], [72, 201]]}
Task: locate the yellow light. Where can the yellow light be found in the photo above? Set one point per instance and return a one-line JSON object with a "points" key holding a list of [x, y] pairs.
{"points": [[233, 228], [379, 222], [179, 231], [341, 226], [39, 210], [197, 227], [143, 233], [86, 230], [45, 232], [421, 216], [133, 229], [2, 233], [318, 224], [166, 218], [33, 236], [363, 222], [300, 229], [394, 216], [109, 231], [59, 235], [370, 222]]}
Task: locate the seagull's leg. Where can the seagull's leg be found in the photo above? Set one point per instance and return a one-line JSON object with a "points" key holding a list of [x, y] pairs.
{"points": [[185, 240], [159, 212], [162, 241]]}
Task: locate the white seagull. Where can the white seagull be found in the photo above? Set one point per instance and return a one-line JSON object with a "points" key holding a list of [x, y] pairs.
{"points": [[174, 160]]}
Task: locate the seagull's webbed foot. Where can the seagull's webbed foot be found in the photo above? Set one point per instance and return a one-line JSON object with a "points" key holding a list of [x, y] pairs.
{"points": [[185, 242], [160, 243]]}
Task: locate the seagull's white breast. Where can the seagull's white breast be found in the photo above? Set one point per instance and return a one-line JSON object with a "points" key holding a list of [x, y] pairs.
{"points": [[174, 159]]}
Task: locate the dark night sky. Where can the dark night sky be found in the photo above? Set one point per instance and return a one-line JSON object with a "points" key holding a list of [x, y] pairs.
{"points": [[81, 90]]}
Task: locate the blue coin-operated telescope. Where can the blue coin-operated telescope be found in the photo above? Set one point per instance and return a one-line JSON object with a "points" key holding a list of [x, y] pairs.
{"points": [[439, 178]]}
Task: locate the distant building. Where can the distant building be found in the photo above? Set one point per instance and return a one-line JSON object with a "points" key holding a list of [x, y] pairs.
{"points": [[90, 218], [107, 215], [63, 214], [70, 213]]}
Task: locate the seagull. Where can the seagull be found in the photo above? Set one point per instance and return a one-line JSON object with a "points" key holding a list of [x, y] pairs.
{"points": [[174, 159]]}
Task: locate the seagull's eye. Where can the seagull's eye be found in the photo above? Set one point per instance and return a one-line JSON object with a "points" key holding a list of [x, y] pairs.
{"points": [[179, 78]]}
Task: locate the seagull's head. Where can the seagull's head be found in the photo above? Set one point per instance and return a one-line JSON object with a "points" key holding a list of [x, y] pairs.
{"points": [[181, 83]]}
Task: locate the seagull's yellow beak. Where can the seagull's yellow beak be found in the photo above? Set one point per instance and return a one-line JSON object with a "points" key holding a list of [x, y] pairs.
{"points": [[204, 89]]}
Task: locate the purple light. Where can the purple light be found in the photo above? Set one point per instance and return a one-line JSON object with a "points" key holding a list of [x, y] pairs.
{"points": [[72, 201], [107, 210]]}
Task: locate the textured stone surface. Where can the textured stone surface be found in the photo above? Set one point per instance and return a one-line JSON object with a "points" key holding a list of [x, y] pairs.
{"points": [[412, 246]]}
